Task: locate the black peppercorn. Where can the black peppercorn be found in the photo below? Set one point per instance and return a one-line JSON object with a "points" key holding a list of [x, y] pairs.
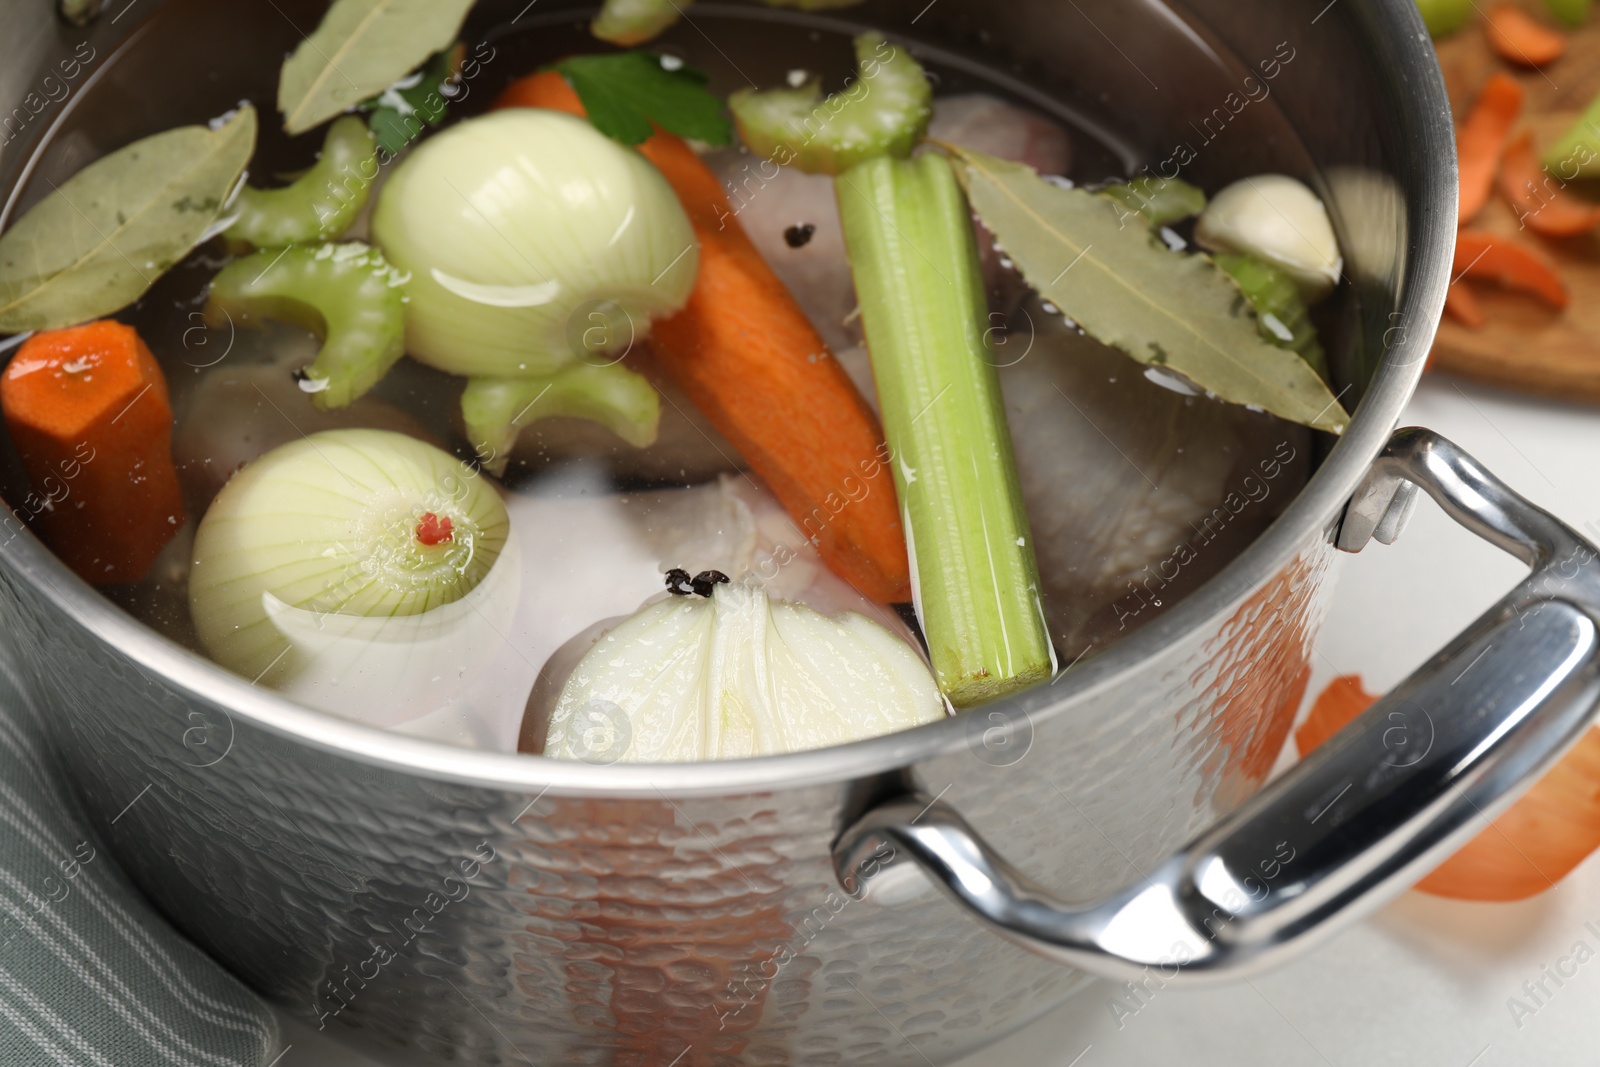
{"points": [[705, 581], [799, 235], [679, 583]]}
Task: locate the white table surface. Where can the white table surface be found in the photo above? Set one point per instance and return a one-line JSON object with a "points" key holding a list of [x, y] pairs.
{"points": [[1426, 981]]}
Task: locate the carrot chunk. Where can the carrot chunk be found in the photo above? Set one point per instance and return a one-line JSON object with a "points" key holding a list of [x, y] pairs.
{"points": [[1539, 197], [88, 411], [1530, 847], [1519, 39], [1482, 138], [745, 353], [1515, 266]]}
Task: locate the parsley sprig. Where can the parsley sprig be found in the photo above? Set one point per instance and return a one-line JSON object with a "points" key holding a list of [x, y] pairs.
{"points": [[627, 91], [399, 116]]}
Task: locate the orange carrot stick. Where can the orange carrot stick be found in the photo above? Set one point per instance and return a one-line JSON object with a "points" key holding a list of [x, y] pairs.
{"points": [[1464, 305], [1518, 39], [1530, 847], [747, 356], [87, 409], [1539, 197], [1498, 259], [1482, 138]]}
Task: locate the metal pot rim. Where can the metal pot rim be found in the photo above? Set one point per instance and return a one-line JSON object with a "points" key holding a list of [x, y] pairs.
{"points": [[1318, 505]]}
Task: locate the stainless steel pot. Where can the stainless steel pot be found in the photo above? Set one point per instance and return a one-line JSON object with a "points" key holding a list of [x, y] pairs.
{"points": [[493, 908]]}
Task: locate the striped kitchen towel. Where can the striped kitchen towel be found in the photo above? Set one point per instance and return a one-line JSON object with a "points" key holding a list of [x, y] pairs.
{"points": [[90, 975]]}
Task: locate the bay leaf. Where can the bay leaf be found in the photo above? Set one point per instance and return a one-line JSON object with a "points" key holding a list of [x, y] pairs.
{"points": [[103, 237], [1129, 291], [361, 48]]}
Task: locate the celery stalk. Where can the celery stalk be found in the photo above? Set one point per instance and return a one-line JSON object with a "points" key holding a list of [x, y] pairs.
{"points": [[884, 109], [909, 235], [1158, 201]]}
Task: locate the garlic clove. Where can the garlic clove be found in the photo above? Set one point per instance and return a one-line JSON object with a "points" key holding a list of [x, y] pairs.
{"points": [[1280, 220], [737, 674]]}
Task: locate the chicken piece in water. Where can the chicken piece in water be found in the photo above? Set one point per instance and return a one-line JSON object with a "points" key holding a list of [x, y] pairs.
{"points": [[794, 221], [1136, 493], [592, 557]]}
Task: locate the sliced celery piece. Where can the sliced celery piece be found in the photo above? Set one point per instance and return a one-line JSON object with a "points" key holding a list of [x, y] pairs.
{"points": [[909, 235], [1444, 17], [1158, 201], [1571, 12], [496, 409], [322, 203], [631, 22], [347, 294], [1273, 293], [1576, 153], [883, 111]]}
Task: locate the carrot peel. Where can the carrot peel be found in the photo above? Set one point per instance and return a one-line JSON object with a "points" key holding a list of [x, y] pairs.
{"points": [[1519, 39], [1515, 266], [1482, 139], [1464, 305], [1530, 847], [1539, 197], [88, 411]]}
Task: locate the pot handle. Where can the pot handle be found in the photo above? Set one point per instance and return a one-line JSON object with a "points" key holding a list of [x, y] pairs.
{"points": [[1356, 822]]}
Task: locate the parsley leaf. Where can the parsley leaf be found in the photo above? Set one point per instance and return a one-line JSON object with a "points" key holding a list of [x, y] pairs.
{"points": [[399, 116], [627, 91]]}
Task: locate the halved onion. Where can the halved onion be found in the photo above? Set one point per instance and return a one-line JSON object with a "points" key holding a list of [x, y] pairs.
{"points": [[737, 674]]}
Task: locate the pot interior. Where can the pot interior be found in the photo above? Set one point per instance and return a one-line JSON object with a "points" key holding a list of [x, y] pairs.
{"points": [[1211, 89]]}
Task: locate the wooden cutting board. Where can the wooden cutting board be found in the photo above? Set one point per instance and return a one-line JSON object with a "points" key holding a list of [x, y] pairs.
{"points": [[1525, 345]]}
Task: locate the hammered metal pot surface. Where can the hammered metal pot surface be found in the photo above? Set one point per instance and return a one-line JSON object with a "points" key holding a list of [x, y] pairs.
{"points": [[490, 909], [607, 930]]}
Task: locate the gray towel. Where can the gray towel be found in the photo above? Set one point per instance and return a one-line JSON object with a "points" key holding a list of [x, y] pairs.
{"points": [[90, 976]]}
